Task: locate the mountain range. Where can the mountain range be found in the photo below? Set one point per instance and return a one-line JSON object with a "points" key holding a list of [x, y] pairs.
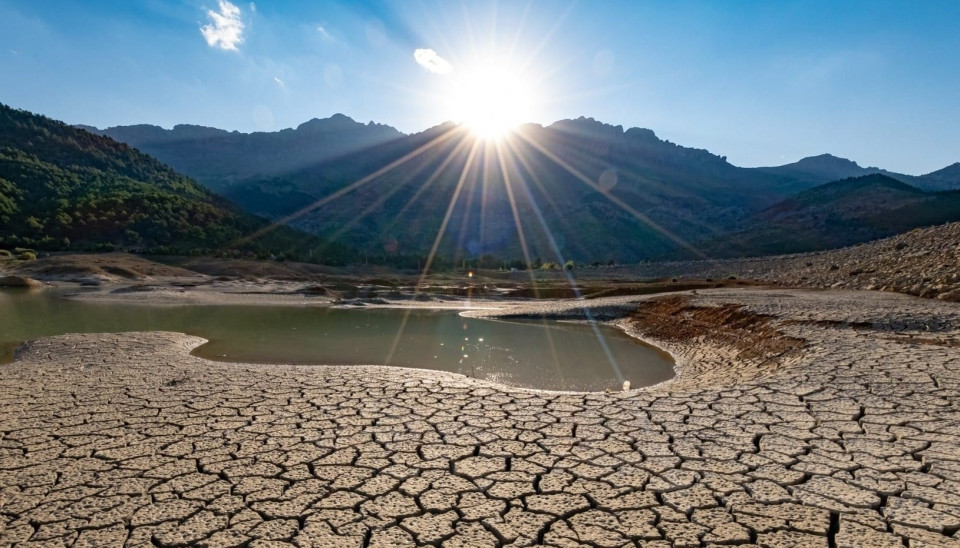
{"points": [[826, 168], [838, 214], [576, 189], [588, 190], [218, 158]]}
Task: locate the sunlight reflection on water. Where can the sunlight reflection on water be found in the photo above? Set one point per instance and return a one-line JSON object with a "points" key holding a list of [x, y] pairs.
{"points": [[555, 356]]}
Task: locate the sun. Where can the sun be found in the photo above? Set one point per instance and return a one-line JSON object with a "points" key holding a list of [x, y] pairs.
{"points": [[491, 100]]}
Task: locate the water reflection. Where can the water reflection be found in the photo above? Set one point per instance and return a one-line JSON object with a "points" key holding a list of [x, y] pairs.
{"points": [[528, 354]]}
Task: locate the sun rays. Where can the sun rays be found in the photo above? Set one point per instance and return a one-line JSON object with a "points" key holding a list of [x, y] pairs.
{"points": [[497, 173], [487, 171]]}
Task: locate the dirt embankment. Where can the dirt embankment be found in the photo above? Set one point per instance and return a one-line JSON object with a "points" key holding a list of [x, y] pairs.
{"points": [[95, 267], [753, 335], [726, 340]]}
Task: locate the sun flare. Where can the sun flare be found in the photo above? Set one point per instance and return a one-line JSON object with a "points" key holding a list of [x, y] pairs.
{"points": [[491, 100]]}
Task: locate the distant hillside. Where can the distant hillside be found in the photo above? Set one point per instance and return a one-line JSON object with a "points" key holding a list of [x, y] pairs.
{"points": [[595, 191], [64, 188], [816, 170], [820, 169], [947, 178], [219, 158], [838, 214], [592, 190]]}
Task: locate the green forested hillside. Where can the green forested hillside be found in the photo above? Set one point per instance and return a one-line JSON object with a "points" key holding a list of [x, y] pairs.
{"points": [[64, 188]]}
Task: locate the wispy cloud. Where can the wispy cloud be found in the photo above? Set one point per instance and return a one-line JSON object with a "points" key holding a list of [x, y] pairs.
{"points": [[279, 82], [225, 30], [431, 60], [324, 33]]}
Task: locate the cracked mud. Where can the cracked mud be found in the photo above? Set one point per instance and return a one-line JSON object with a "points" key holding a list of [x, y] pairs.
{"points": [[127, 440]]}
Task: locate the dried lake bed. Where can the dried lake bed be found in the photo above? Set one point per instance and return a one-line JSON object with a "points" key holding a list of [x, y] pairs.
{"points": [[128, 439]]}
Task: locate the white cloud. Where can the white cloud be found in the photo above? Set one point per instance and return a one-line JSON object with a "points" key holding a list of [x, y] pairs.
{"points": [[279, 82], [225, 30], [253, 7], [324, 33], [431, 60]]}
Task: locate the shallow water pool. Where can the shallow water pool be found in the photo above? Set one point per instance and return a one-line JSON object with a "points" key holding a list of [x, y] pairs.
{"points": [[531, 354]]}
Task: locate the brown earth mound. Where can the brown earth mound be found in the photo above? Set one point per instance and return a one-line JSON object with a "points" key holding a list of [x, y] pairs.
{"points": [[752, 336], [18, 281], [86, 265]]}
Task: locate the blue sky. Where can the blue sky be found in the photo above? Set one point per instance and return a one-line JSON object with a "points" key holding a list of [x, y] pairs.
{"points": [[763, 83]]}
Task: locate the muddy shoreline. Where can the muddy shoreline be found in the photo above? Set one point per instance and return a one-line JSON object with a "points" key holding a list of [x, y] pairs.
{"points": [[798, 418]]}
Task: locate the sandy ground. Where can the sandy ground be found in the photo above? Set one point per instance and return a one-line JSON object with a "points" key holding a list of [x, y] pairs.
{"points": [[263, 292], [852, 440], [172, 291]]}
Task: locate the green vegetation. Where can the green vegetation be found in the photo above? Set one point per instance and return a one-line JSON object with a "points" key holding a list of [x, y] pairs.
{"points": [[25, 254], [62, 188]]}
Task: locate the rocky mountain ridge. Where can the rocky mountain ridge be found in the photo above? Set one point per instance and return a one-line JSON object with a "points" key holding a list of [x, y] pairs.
{"points": [[583, 189], [217, 158]]}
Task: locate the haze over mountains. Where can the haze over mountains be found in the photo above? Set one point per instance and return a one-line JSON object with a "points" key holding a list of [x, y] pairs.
{"points": [[589, 190], [826, 168], [218, 158]]}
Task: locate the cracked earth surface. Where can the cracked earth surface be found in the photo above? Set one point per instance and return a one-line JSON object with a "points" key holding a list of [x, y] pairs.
{"points": [[127, 440]]}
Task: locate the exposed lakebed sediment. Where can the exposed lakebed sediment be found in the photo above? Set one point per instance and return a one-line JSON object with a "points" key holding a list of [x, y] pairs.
{"points": [[842, 431]]}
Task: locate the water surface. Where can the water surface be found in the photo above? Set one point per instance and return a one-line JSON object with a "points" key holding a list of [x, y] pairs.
{"points": [[532, 354]]}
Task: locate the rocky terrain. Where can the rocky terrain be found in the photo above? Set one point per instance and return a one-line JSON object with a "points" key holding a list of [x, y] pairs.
{"points": [[127, 440], [922, 262]]}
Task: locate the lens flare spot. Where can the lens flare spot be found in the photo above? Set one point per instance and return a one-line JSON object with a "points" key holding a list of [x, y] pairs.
{"points": [[491, 99]]}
